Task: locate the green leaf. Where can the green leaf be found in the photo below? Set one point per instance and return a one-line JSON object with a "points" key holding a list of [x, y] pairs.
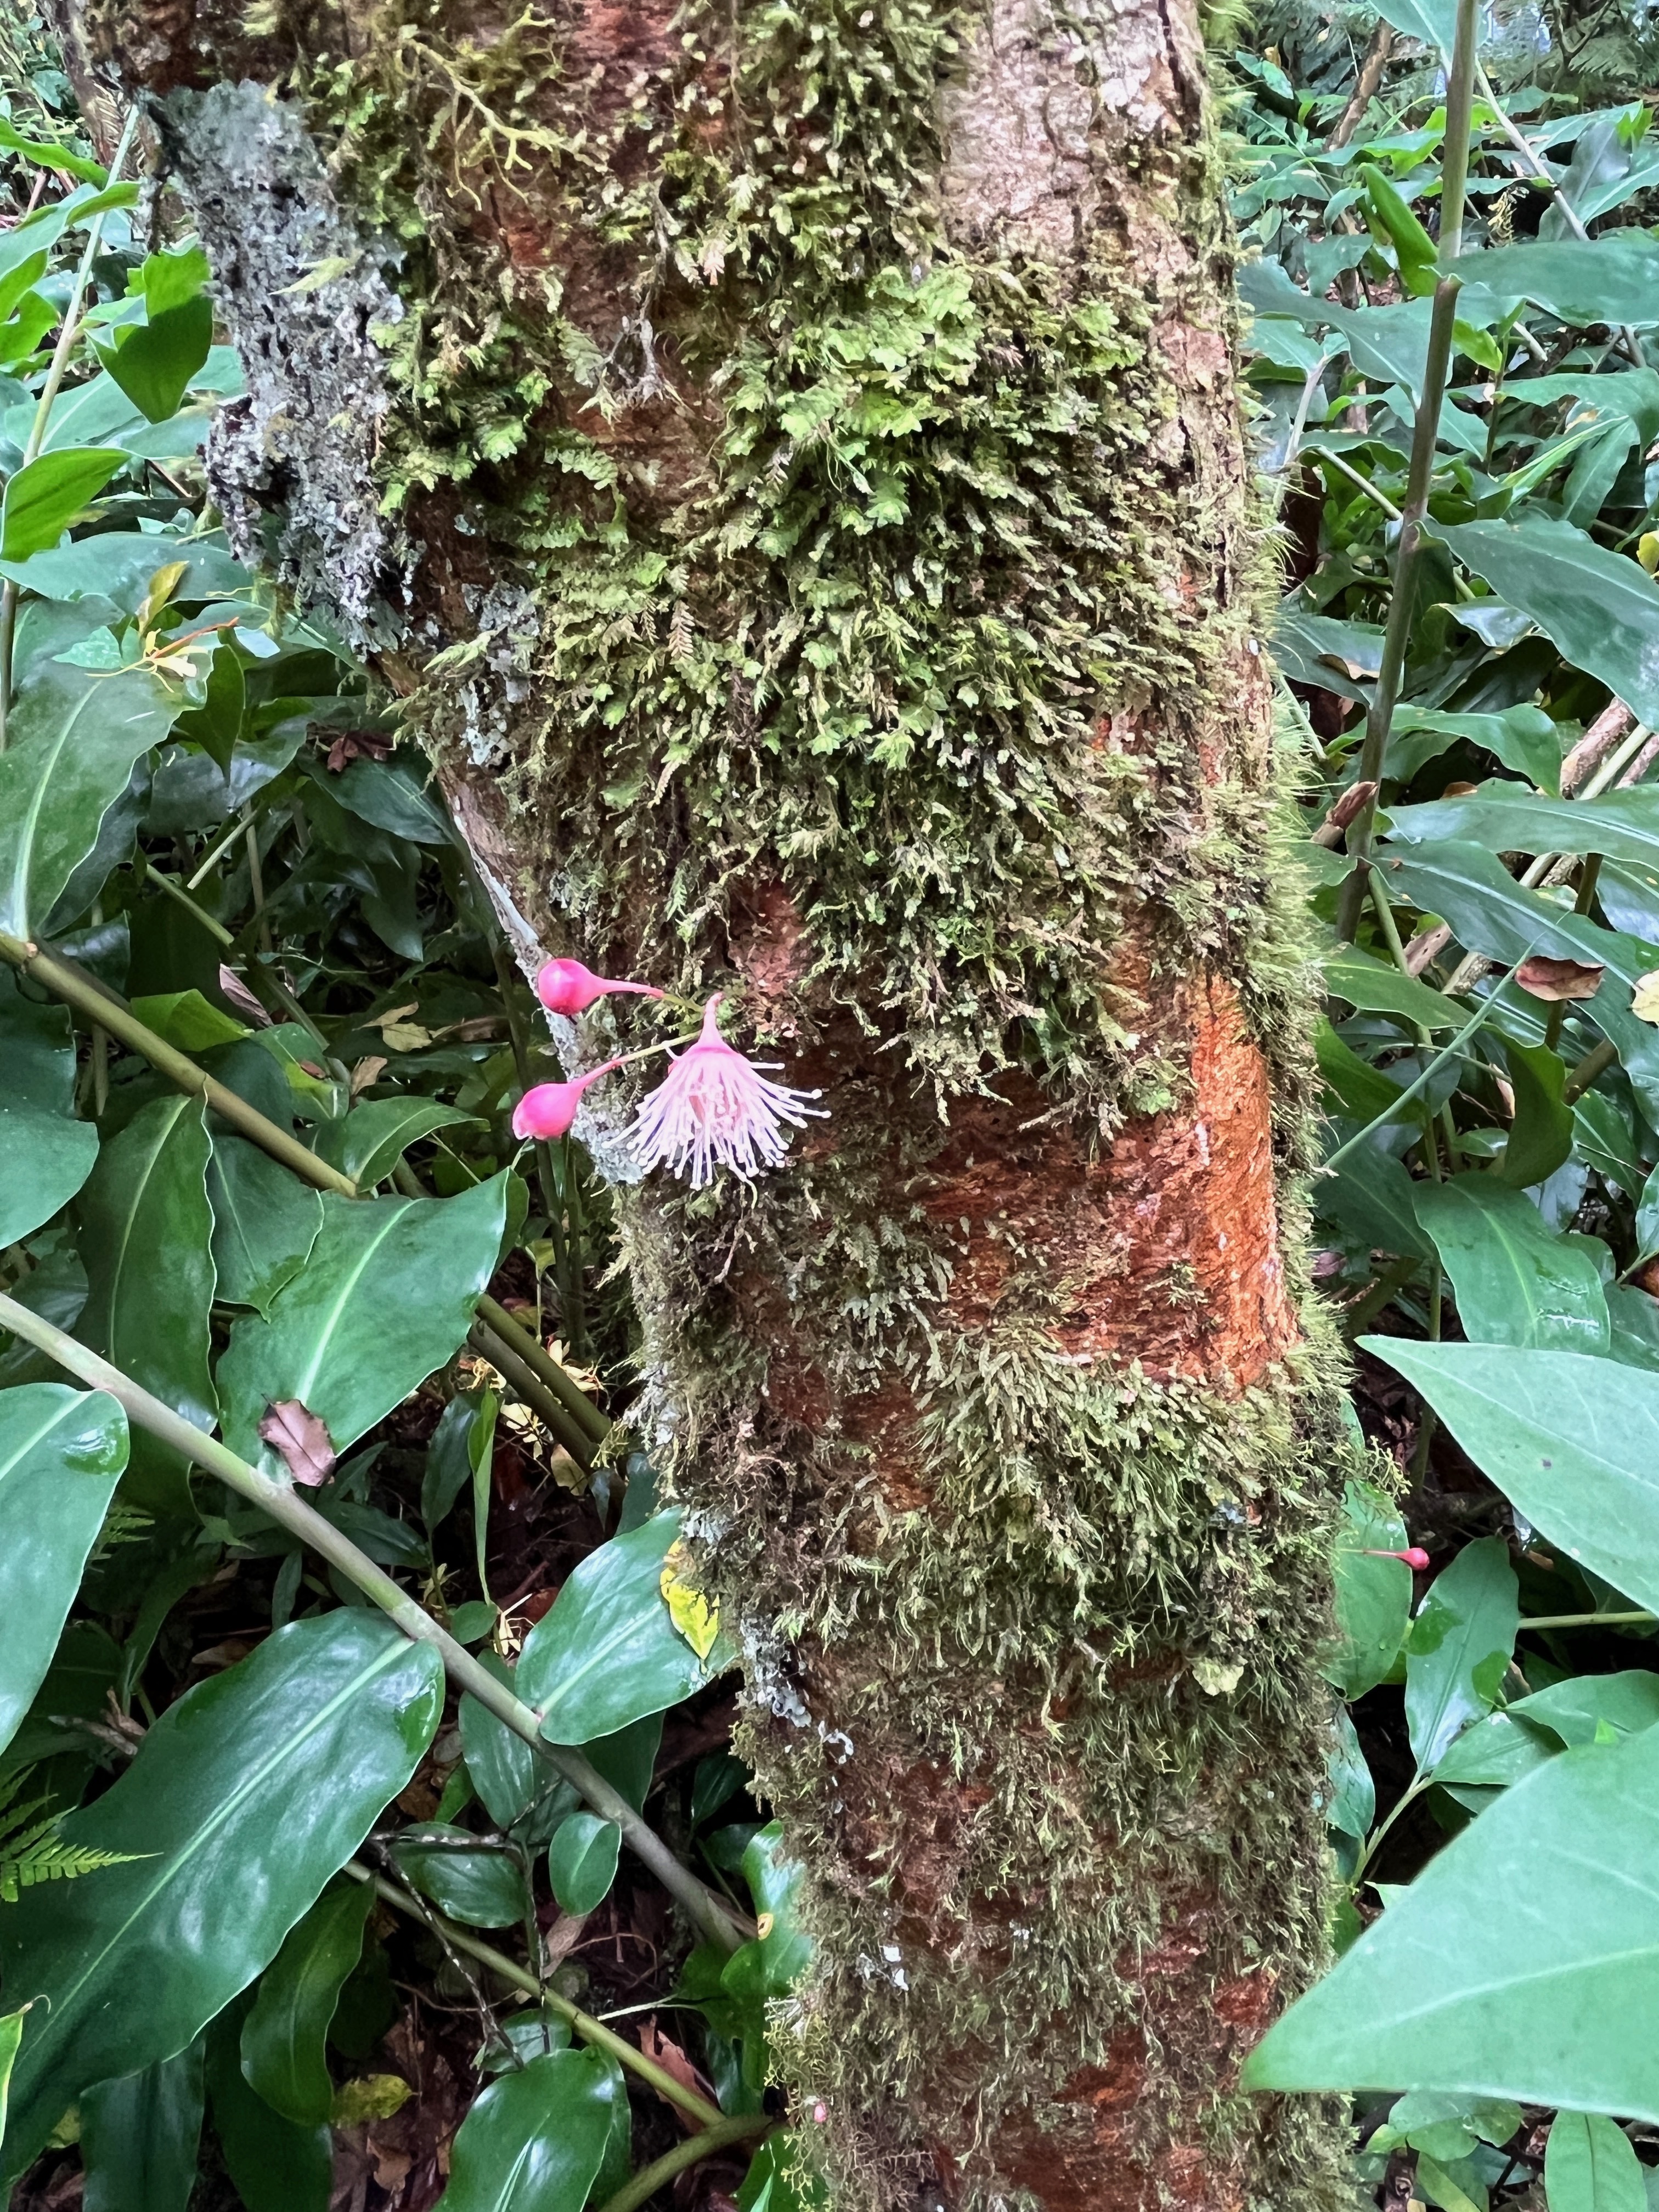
{"points": [[277, 2166], [1516, 1283], [1576, 1709], [368, 1142], [1352, 1806], [265, 1222], [534, 2140], [218, 722], [473, 1883], [1494, 914], [505, 1770], [1599, 609], [1522, 738], [141, 2135], [245, 1795], [74, 737], [44, 498], [581, 1860], [154, 362], [1373, 1595], [1623, 824], [1492, 1754], [48, 154], [11, 2035], [1432, 22], [1468, 1620], [1377, 987], [1523, 1962], [186, 1019], [1612, 279], [1590, 2167], [386, 1295], [607, 1653], [1371, 1197], [1414, 250], [46, 1154], [284, 2035], [449, 1457], [774, 1962], [1542, 1133], [148, 1195], [1605, 1139], [61, 1455], [394, 799], [778, 2181], [1573, 1442]]}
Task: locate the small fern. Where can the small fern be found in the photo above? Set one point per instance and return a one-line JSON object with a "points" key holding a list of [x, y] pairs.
{"points": [[30, 1849]]}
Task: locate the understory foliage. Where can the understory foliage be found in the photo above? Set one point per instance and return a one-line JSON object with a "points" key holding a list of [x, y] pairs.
{"points": [[283, 1911], [1488, 1213]]}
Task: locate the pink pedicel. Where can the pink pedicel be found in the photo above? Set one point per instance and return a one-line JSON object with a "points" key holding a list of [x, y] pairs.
{"points": [[565, 987], [551, 1108], [715, 1108], [1416, 1557]]}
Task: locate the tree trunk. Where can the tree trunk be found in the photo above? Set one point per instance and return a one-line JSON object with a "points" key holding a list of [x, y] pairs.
{"points": [[789, 457]]}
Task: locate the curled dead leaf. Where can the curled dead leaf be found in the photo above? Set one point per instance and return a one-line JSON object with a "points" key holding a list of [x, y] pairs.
{"points": [[300, 1441], [1556, 980], [231, 987], [1644, 1000], [1343, 811], [367, 1072], [357, 745]]}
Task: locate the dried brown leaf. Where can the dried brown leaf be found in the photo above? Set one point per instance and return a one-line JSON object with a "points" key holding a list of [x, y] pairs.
{"points": [[300, 1441], [1556, 980]]}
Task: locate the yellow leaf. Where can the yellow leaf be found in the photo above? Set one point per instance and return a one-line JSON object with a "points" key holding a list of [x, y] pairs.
{"points": [[405, 1036], [697, 1621], [1647, 549], [371, 2096], [1645, 1004]]}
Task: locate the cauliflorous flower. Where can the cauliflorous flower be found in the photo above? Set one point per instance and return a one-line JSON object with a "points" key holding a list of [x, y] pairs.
{"points": [[715, 1107], [565, 987], [1416, 1556], [550, 1108]]}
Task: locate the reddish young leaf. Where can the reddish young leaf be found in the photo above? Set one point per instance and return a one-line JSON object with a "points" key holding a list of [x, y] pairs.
{"points": [[1560, 979], [301, 1439]]}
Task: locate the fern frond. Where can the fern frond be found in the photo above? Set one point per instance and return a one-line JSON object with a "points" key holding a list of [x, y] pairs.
{"points": [[44, 1856]]}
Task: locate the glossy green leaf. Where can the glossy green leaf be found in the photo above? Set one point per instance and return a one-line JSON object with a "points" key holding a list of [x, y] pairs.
{"points": [[1612, 279], [1599, 607], [1493, 1753], [581, 1860], [284, 2035], [1494, 914], [1433, 22], [1414, 250], [11, 2036], [265, 1222], [1541, 1131], [534, 2140], [276, 2165], [480, 1886], [245, 1795], [774, 1963], [218, 722], [368, 1142], [607, 1652], [73, 737], [395, 798], [61, 1455], [1522, 738], [154, 362], [1515, 1281], [189, 1021], [46, 1154], [506, 1772], [1622, 824], [1590, 2166], [1373, 1198], [141, 2136], [1572, 1441], [1576, 1709], [449, 1457], [1378, 987], [44, 498], [777, 2180], [121, 563], [387, 1294], [146, 1196], [1373, 1595], [1352, 1807], [1605, 1139], [1460, 1644], [1523, 1962]]}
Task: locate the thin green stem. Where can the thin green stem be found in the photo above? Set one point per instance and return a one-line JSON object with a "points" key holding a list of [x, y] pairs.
{"points": [[1374, 1841], [712, 1916], [1395, 1277], [535, 1394], [176, 891], [746, 2127], [1386, 923], [1365, 483], [1592, 1065], [1379, 721], [67, 331], [574, 1400], [1588, 1619], [519, 1978], [103, 1007]]}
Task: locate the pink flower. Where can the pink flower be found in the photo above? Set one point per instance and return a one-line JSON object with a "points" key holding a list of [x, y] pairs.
{"points": [[565, 987], [715, 1106], [1416, 1557], [551, 1108]]}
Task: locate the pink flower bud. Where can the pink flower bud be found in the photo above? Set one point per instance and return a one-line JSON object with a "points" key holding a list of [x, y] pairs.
{"points": [[565, 987], [1416, 1557], [550, 1108]]}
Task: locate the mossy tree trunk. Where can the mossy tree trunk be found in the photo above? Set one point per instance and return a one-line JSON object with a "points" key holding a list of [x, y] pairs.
{"points": [[787, 454]]}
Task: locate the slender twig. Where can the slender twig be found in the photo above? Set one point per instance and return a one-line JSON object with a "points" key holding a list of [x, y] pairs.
{"points": [[1453, 177], [746, 2127], [519, 1978], [1587, 1620], [1594, 1063], [574, 1400], [710, 1913], [180, 896], [67, 333], [1363, 483]]}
